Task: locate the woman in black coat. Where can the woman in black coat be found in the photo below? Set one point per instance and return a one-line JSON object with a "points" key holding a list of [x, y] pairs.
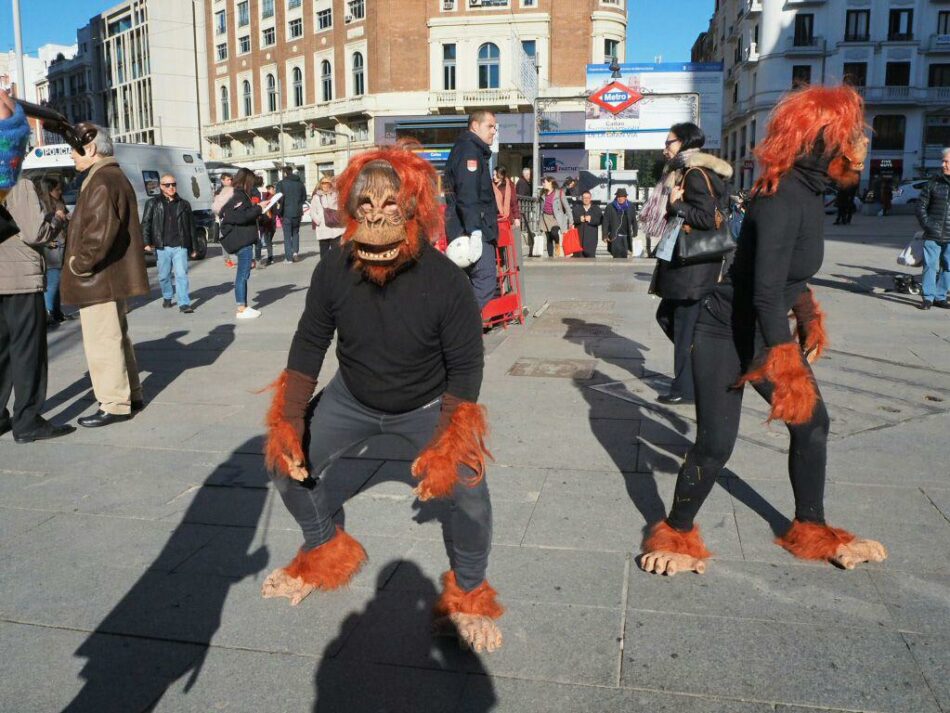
{"points": [[239, 228], [587, 219], [686, 183]]}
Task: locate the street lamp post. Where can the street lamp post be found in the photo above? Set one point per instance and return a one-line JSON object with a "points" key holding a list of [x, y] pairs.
{"points": [[18, 43]]}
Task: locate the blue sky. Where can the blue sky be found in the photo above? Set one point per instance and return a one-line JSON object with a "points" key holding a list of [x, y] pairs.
{"points": [[657, 27]]}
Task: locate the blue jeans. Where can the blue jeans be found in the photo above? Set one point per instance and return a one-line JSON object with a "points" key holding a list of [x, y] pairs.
{"points": [[176, 259], [53, 305], [936, 259], [291, 228], [244, 257]]}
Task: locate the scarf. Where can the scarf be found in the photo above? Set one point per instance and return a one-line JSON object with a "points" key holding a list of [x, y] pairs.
{"points": [[503, 200], [653, 216]]}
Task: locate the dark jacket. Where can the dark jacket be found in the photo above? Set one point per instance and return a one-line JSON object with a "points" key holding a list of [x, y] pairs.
{"points": [[933, 209], [153, 221], [589, 232], [523, 187], [294, 196], [698, 209], [55, 249], [613, 219], [105, 256], [239, 221], [469, 198]]}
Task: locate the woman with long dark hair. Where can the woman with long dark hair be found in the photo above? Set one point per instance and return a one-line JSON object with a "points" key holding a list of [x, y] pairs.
{"points": [[743, 334], [554, 213], [51, 198], [239, 217]]}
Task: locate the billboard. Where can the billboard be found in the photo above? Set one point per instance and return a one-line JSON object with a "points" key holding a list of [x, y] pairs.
{"points": [[636, 110]]}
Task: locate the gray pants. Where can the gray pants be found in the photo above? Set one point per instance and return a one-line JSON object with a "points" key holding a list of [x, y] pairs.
{"points": [[340, 422]]}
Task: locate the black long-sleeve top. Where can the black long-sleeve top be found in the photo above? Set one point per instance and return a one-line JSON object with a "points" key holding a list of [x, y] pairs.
{"points": [[401, 345]]}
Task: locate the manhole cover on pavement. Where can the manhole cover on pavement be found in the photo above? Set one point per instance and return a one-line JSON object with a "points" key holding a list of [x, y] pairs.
{"points": [[554, 368]]}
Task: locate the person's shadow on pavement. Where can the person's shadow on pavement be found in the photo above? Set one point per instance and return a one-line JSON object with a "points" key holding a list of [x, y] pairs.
{"points": [[160, 631], [396, 626]]}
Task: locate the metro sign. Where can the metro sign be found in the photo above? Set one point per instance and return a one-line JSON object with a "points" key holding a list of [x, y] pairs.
{"points": [[615, 97]]}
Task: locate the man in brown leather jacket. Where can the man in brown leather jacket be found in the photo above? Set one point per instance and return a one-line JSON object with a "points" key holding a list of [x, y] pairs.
{"points": [[104, 265]]}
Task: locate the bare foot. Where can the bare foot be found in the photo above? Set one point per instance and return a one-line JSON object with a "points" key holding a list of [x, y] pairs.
{"points": [[858, 551], [669, 563], [280, 584], [479, 633]]}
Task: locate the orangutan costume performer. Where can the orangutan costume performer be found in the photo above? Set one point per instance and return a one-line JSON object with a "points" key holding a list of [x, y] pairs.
{"points": [[743, 333], [411, 358]]}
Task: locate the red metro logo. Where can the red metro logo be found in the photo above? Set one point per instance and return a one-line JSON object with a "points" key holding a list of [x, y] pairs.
{"points": [[615, 97]]}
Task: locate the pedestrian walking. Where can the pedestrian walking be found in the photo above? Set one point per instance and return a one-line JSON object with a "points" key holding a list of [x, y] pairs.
{"points": [[555, 215], [523, 184], [290, 210], [325, 216], [221, 197], [266, 228], [933, 214], [693, 186], [887, 196], [470, 201], [239, 229], [844, 203], [104, 266], [587, 220], [620, 225], [23, 229], [168, 231], [51, 198], [743, 333]]}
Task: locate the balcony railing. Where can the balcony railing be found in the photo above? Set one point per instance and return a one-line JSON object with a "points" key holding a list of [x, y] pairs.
{"points": [[752, 6], [905, 95], [477, 97], [804, 45], [750, 53]]}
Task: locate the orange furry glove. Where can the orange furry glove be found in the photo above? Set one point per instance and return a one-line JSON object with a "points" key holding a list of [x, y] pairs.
{"points": [[283, 451], [459, 440], [795, 394], [810, 325]]}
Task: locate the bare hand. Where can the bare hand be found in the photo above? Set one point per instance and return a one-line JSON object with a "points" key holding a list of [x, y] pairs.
{"points": [[7, 105], [194, 255], [149, 249], [517, 222], [676, 195]]}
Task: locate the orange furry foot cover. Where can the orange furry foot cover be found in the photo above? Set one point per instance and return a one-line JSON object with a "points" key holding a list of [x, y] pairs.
{"points": [[460, 442], [810, 324], [664, 538], [795, 394], [331, 565], [811, 541], [481, 601], [285, 420]]}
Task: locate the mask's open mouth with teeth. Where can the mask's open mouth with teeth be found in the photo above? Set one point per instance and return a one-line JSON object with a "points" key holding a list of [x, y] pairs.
{"points": [[378, 254]]}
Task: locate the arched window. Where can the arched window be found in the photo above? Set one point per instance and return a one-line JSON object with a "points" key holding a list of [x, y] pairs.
{"points": [[246, 94], [359, 79], [271, 84], [326, 80], [298, 86], [488, 66], [225, 105]]}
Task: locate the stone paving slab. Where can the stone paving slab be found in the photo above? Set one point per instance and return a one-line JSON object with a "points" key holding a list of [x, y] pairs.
{"points": [[917, 602], [932, 654]]}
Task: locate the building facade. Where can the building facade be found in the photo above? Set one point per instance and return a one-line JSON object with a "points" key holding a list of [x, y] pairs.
{"points": [[34, 68], [136, 72], [307, 82], [895, 52]]}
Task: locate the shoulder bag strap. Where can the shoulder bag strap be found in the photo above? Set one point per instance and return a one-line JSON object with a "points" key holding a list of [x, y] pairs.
{"points": [[719, 218]]}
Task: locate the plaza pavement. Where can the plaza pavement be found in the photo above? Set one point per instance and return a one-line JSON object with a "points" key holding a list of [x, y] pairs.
{"points": [[131, 558]]}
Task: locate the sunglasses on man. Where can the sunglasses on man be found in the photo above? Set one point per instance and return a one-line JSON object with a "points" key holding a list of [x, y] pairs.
{"points": [[169, 185]]}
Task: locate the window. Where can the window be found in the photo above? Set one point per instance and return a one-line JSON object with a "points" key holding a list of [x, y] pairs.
{"points": [[244, 44], [359, 79], [801, 75], [297, 76], [273, 144], [246, 96], [325, 19], [610, 50], [488, 66], [735, 93], [448, 67], [856, 74], [268, 37], [356, 9], [298, 140], [857, 26], [900, 25], [222, 51], [295, 28], [220, 22], [804, 30], [225, 105], [244, 13], [755, 33], [271, 85], [897, 74], [943, 22], [360, 131], [267, 8], [248, 147], [938, 75], [326, 80], [888, 134], [293, 4], [448, 5], [530, 48]]}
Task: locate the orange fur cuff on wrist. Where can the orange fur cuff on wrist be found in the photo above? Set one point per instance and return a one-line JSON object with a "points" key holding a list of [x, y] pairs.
{"points": [[481, 601], [664, 538], [331, 565], [462, 443], [794, 394], [282, 438], [810, 323], [814, 541]]}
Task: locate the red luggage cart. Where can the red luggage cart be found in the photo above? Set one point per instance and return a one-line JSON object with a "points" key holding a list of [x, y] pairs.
{"points": [[507, 307]]}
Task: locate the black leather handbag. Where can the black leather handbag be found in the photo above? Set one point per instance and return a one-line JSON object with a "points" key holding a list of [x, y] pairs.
{"points": [[695, 246]]}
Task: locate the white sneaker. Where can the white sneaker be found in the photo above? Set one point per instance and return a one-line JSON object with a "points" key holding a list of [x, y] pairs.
{"points": [[249, 313]]}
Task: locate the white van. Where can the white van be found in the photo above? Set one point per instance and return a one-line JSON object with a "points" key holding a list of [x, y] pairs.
{"points": [[143, 165]]}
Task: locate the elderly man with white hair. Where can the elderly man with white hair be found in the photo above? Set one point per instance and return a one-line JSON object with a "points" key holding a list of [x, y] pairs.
{"points": [[104, 265], [933, 214]]}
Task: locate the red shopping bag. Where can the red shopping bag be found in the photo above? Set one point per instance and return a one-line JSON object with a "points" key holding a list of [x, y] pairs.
{"points": [[571, 242]]}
